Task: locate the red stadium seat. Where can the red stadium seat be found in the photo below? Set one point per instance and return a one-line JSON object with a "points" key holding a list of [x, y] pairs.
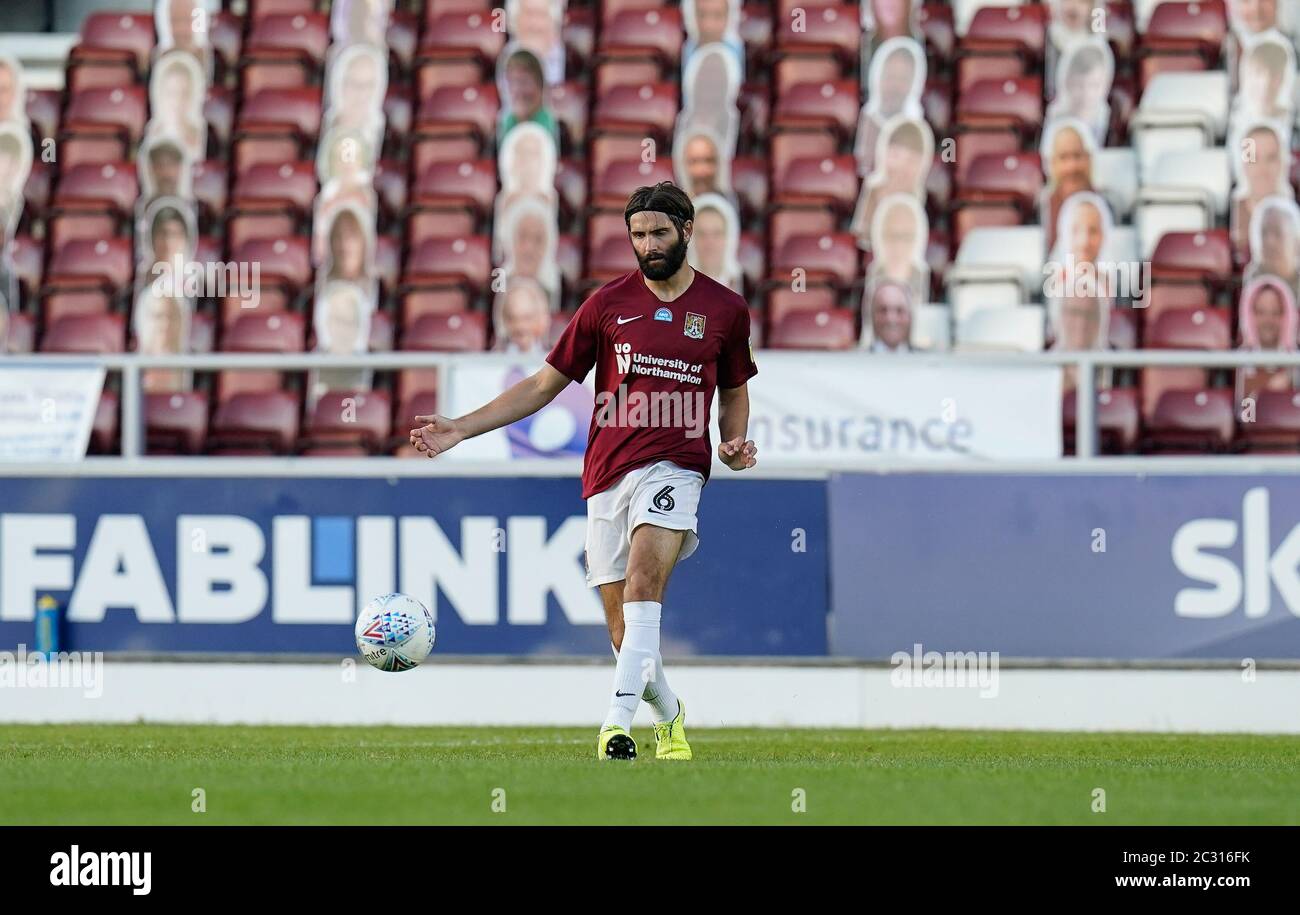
{"points": [[785, 223], [465, 261], [120, 111], [1191, 421], [258, 332], [296, 37], [260, 9], [621, 72], [1015, 178], [245, 226], [832, 258], [828, 29], [456, 34], [620, 178], [219, 112], [56, 305], [651, 108], [830, 104], [444, 301], [264, 421], [790, 71], [1003, 104], [289, 184], [1276, 426], [1021, 30], [85, 333], [115, 36], [817, 330], [1198, 27], [92, 149], [466, 185], [828, 181], [459, 333], [1118, 422], [459, 111], [293, 111], [1172, 295], [349, 418], [175, 422], [427, 150], [1205, 256], [63, 227], [782, 300], [36, 192], [788, 145], [972, 69], [283, 260], [111, 185], [390, 186], [749, 181], [1181, 328], [971, 145], [82, 262], [654, 32]]}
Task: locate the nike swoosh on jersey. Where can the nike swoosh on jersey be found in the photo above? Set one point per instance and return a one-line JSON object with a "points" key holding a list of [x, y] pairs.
{"points": [[623, 320]]}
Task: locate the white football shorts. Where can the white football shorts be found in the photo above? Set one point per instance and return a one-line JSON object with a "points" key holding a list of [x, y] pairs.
{"points": [[661, 494]]}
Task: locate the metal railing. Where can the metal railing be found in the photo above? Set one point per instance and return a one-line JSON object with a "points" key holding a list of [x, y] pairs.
{"points": [[130, 366]]}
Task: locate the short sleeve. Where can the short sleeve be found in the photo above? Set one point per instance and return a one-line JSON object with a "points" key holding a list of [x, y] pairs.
{"points": [[575, 352], [736, 361]]}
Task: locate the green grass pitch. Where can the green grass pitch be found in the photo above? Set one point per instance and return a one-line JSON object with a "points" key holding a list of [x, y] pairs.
{"points": [[147, 774]]}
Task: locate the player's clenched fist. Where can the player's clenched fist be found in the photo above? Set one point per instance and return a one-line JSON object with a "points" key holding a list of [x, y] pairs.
{"points": [[437, 435], [738, 454]]}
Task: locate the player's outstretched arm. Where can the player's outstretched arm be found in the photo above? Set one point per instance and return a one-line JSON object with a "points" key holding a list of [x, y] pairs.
{"points": [[440, 433], [733, 422]]}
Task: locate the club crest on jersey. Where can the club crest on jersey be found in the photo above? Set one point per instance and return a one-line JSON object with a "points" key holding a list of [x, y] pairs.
{"points": [[663, 314], [694, 326]]}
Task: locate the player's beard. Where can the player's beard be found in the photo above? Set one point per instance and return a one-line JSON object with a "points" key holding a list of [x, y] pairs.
{"points": [[664, 264]]}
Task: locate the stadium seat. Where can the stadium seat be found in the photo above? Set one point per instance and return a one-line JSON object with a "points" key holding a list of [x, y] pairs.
{"points": [[832, 329], [260, 332], [175, 422], [288, 184], [459, 111], [1118, 421], [284, 261], [824, 29], [1013, 103], [1018, 30], [1198, 27], [620, 178], [654, 32], [264, 421], [827, 181], [120, 111], [832, 257], [649, 109], [1190, 421], [110, 37], [786, 222], [782, 300], [360, 419], [85, 333], [1276, 425], [81, 262], [820, 105], [463, 261], [1017, 329], [459, 333], [1193, 256], [111, 185]]}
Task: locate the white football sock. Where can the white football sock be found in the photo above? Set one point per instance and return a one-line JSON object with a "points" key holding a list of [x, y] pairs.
{"points": [[640, 664]]}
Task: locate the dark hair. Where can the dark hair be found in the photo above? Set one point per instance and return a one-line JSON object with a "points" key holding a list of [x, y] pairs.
{"points": [[529, 61], [664, 197]]}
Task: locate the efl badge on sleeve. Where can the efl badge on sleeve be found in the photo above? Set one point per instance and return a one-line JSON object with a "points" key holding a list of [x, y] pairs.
{"points": [[694, 326]]}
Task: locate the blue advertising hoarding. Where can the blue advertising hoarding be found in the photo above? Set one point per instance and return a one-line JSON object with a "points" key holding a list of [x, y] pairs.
{"points": [[282, 564], [1066, 566]]}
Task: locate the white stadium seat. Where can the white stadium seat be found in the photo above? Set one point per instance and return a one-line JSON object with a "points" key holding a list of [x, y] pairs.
{"points": [[932, 328], [1019, 328]]}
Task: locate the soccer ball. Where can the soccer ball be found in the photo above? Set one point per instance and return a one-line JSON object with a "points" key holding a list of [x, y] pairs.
{"points": [[395, 632]]}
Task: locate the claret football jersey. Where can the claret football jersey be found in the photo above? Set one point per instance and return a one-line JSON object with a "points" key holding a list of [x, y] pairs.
{"points": [[657, 366]]}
